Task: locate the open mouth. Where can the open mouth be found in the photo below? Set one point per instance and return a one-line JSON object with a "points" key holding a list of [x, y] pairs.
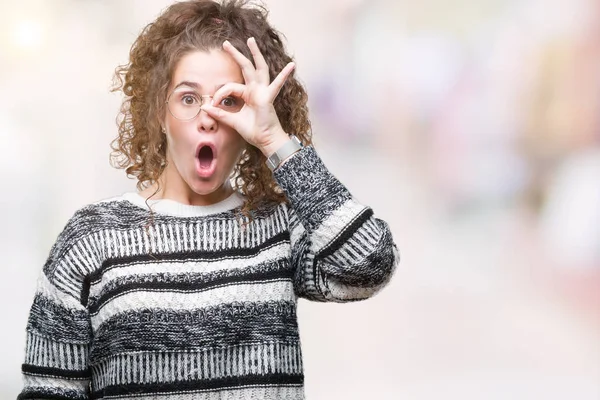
{"points": [[205, 156]]}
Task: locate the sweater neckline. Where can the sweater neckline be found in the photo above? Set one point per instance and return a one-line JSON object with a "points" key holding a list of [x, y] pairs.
{"points": [[176, 209]]}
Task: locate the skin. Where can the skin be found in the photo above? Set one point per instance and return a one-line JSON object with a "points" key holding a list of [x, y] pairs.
{"points": [[219, 73]]}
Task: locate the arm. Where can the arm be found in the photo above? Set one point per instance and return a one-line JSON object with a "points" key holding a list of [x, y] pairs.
{"points": [[340, 250], [58, 329]]}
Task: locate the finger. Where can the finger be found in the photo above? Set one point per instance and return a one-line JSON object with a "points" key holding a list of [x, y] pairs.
{"points": [[280, 79], [221, 115], [229, 89], [262, 68], [247, 68]]}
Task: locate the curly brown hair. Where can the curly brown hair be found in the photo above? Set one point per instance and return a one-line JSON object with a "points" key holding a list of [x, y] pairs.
{"points": [[184, 27]]}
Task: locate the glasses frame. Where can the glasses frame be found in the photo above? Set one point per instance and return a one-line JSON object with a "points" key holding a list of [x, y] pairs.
{"points": [[202, 96]]}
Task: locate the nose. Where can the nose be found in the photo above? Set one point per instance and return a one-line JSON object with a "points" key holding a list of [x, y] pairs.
{"points": [[206, 123]]}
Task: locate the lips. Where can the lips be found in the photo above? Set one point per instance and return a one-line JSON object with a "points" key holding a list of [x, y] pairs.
{"points": [[206, 157]]}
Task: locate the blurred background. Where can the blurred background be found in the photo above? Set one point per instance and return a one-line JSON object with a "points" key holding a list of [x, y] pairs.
{"points": [[471, 126]]}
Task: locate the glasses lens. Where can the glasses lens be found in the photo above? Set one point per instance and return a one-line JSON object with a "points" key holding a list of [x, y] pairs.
{"points": [[184, 105]]}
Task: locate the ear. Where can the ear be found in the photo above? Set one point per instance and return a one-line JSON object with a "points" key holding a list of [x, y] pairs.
{"points": [[162, 123]]}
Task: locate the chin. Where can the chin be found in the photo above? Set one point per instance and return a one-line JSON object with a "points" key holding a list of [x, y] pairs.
{"points": [[204, 188]]}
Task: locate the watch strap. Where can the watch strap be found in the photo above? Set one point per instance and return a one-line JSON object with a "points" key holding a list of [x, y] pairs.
{"points": [[290, 147]]}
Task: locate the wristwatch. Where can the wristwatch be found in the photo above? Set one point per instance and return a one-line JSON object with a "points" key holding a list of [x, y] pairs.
{"points": [[289, 148]]}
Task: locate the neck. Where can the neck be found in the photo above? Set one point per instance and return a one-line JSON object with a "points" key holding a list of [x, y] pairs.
{"points": [[178, 190]]}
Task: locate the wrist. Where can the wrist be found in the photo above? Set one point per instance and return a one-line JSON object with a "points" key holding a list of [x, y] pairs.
{"points": [[277, 140], [283, 153]]}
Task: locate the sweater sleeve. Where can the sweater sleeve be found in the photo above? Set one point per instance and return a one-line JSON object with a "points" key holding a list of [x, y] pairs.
{"points": [[58, 330], [340, 251]]}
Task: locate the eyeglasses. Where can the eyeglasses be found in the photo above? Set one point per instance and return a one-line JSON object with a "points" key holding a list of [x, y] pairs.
{"points": [[185, 105]]}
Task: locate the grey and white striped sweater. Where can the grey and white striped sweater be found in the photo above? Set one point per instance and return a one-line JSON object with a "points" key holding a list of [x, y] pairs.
{"points": [[202, 303]]}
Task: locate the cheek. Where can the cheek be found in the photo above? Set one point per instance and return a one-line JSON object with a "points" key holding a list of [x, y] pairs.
{"points": [[173, 143], [241, 145], [175, 148], [236, 143], [178, 136], [240, 149]]}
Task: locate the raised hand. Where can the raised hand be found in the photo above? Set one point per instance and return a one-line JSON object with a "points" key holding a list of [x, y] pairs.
{"points": [[257, 121]]}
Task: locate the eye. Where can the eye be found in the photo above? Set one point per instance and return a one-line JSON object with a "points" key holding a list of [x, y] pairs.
{"points": [[188, 100], [229, 102]]}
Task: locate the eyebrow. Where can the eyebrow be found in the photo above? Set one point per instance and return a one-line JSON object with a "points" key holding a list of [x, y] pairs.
{"points": [[195, 85]]}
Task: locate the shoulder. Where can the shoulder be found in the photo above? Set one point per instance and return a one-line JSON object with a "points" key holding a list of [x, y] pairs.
{"points": [[106, 213], [111, 213], [79, 233]]}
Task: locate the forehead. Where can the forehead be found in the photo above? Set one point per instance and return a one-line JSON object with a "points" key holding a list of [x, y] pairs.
{"points": [[208, 69]]}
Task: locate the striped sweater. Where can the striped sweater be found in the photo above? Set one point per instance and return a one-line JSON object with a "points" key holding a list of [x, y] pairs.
{"points": [[200, 303]]}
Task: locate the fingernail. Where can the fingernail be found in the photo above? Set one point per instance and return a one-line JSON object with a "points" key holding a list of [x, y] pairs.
{"points": [[226, 43]]}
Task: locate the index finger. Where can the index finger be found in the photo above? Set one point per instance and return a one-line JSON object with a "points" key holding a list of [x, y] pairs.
{"points": [[247, 68]]}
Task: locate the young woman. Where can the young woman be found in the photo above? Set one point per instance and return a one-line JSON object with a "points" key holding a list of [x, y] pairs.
{"points": [[188, 288]]}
